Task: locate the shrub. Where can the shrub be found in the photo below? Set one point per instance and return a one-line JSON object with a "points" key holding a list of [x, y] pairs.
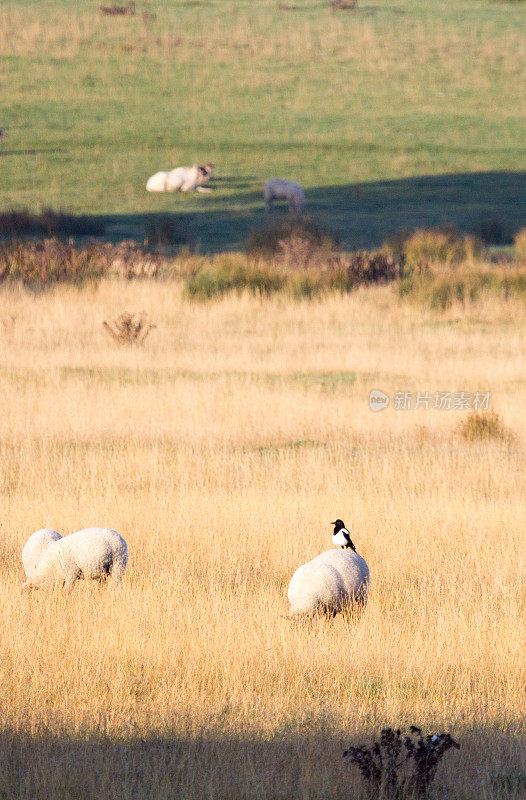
{"points": [[209, 282], [116, 10], [434, 246], [128, 260], [439, 287], [306, 284], [294, 240], [440, 246], [492, 231], [375, 267], [232, 273], [515, 283], [343, 5], [15, 224], [345, 273], [341, 273], [338, 273], [130, 328], [399, 766], [308, 258], [480, 425], [441, 295], [302, 253], [164, 231], [520, 244], [49, 261], [395, 242]]}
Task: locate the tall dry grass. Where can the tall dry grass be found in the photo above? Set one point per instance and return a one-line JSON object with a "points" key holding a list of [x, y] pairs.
{"points": [[221, 449]]}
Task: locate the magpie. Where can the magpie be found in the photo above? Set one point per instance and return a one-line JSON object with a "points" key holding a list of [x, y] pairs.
{"points": [[341, 536]]}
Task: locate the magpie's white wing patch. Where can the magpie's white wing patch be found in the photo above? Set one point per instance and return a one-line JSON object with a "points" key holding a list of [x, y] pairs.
{"points": [[341, 538]]}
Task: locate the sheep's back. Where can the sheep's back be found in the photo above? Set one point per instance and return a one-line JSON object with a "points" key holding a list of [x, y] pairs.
{"points": [[176, 178], [351, 567], [281, 188], [96, 550], [157, 182], [328, 582], [315, 586]]}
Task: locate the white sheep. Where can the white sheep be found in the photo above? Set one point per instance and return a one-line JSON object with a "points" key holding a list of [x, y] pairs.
{"points": [[279, 189], [332, 582], [92, 554], [183, 179], [34, 548], [158, 182]]}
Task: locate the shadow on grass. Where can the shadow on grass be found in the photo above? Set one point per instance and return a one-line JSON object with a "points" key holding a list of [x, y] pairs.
{"points": [[361, 214], [287, 765], [31, 152]]}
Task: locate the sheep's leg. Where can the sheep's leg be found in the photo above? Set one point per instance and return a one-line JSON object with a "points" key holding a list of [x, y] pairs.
{"points": [[69, 582], [117, 571], [326, 611]]}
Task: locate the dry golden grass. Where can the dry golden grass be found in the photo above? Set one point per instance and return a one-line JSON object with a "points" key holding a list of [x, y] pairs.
{"points": [[221, 448]]}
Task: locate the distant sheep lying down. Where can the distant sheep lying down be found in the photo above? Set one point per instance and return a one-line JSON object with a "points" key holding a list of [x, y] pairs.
{"points": [[91, 554], [182, 179], [334, 581], [278, 189]]}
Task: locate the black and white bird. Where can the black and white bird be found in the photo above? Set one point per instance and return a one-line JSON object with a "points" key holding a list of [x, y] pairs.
{"points": [[341, 536]]}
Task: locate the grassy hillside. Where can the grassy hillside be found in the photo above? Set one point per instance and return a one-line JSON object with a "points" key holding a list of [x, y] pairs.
{"points": [[399, 113]]}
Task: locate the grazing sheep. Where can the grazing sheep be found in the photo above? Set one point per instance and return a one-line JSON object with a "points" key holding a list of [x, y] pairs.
{"points": [[183, 179], [278, 189], [92, 554], [34, 548], [329, 584]]}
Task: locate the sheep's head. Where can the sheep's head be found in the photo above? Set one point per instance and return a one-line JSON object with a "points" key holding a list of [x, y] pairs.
{"points": [[35, 548], [205, 172]]}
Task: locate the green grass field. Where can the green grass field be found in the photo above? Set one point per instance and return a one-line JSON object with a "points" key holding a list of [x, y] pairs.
{"points": [[400, 113]]}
